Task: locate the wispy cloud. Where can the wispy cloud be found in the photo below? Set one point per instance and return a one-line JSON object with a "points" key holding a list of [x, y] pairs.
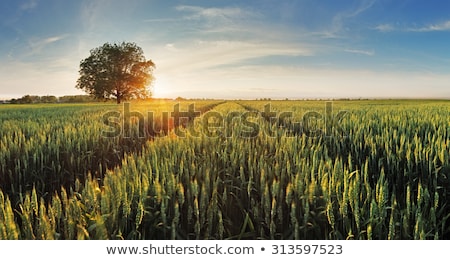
{"points": [[210, 14], [385, 27], [436, 27], [338, 22], [218, 19], [31, 4], [161, 20], [362, 52], [92, 12], [204, 55], [242, 24], [98, 16], [444, 26], [365, 5], [37, 45], [197, 12]]}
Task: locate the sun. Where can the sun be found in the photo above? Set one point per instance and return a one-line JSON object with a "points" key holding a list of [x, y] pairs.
{"points": [[161, 90]]}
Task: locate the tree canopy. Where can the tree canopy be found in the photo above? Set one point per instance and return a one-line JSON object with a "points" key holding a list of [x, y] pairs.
{"points": [[117, 71]]}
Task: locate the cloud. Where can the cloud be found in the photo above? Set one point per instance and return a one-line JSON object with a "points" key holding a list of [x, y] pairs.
{"points": [[340, 18], [437, 27], [384, 28], [365, 5], [203, 45], [51, 39], [363, 52], [31, 4], [92, 13], [161, 20], [204, 55], [208, 20], [198, 12], [105, 17], [37, 45], [444, 26]]}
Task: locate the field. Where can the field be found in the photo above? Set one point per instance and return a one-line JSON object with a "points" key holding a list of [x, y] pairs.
{"points": [[372, 169]]}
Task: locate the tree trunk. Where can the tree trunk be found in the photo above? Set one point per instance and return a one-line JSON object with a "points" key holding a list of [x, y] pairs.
{"points": [[118, 96]]}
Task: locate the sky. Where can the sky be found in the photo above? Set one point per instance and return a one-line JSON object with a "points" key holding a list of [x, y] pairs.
{"points": [[235, 49]]}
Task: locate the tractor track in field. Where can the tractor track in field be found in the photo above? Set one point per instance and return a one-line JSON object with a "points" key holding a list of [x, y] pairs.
{"points": [[167, 125], [248, 108], [292, 128]]}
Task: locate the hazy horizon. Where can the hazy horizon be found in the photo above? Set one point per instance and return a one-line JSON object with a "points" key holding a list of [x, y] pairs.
{"points": [[236, 49]]}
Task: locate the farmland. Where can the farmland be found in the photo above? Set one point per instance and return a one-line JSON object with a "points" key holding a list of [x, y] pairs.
{"points": [[373, 169]]}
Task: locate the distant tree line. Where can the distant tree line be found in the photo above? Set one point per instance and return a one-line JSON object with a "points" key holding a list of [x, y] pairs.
{"points": [[30, 99]]}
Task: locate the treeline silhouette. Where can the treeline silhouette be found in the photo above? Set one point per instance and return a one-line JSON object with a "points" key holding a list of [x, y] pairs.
{"points": [[30, 99]]}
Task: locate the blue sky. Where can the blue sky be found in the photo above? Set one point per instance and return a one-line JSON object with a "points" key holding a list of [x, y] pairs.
{"points": [[236, 49]]}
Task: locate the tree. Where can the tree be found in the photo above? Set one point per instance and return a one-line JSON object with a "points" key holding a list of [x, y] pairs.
{"points": [[117, 71], [76, 99], [28, 99], [49, 99]]}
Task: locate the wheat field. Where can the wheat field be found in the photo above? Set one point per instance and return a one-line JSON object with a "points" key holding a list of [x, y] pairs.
{"points": [[369, 169]]}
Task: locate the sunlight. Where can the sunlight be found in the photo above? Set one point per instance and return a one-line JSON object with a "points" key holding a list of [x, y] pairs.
{"points": [[161, 90]]}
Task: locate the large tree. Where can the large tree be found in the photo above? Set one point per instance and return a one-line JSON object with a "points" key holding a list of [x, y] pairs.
{"points": [[117, 71]]}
